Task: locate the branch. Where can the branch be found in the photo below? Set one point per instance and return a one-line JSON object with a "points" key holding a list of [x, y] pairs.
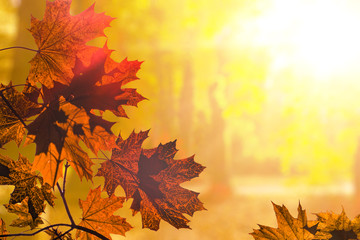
{"points": [[19, 47], [61, 235], [62, 194], [65, 174], [57, 225]]}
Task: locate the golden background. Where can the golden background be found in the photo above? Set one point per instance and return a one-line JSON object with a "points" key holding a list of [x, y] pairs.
{"points": [[265, 93]]}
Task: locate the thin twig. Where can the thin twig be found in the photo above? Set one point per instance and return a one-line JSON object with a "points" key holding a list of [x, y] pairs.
{"points": [[63, 234], [30, 49], [57, 225], [104, 154], [62, 194], [100, 158], [65, 174]]}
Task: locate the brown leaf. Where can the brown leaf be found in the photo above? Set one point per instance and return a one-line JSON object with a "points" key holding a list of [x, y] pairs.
{"points": [[27, 185], [98, 215], [152, 177], [11, 127], [288, 226], [25, 218], [60, 37], [337, 226]]}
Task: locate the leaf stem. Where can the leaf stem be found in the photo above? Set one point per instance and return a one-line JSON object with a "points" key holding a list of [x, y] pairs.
{"points": [[100, 158], [19, 47], [11, 108], [65, 174], [58, 225]]}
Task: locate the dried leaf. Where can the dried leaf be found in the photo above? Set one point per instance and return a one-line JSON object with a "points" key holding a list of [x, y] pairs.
{"points": [[25, 218], [288, 226], [27, 185], [98, 215], [152, 177], [337, 226], [11, 128]]}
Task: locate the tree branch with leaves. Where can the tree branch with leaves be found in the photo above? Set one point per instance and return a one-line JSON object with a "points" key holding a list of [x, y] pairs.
{"points": [[69, 87]]}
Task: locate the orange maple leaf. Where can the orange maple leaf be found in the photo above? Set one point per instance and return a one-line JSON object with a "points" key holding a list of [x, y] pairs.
{"points": [[152, 178], [60, 38], [288, 226], [98, 215]]}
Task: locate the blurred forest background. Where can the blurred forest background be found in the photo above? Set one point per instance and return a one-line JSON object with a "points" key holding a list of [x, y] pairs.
{"points": [[265, 93]]}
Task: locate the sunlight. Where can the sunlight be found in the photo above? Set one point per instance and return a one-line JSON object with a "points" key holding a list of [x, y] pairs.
{"points": [[293, 67], [320, 36]]}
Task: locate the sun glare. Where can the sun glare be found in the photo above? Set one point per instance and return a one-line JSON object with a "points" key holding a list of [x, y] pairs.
{"points": [[320, 36]]}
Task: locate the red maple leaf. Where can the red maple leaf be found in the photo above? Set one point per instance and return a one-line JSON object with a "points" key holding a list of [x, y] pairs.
{"points": [[98, 84], [152, 178]]}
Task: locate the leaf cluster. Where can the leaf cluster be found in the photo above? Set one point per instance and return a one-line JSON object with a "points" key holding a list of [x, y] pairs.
{"points": [[327, 226], [69, 87]]}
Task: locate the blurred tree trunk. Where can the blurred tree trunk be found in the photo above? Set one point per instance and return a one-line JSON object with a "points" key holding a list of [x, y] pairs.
{"points": [[166, 105], [216, 147], [21, 66], [186, 104], [357, 178]]}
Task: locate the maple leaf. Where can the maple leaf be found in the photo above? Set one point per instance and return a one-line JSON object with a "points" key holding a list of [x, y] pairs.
{"points": [[288, 226], [50, 165], [68, 115], [46, 130], [98, 215], [98, 85], [25, 218], [152, 178], [11, 127], [27, 184], [80, 129], [67, 125], [60, 37], [3, 229], [337, 226]]}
